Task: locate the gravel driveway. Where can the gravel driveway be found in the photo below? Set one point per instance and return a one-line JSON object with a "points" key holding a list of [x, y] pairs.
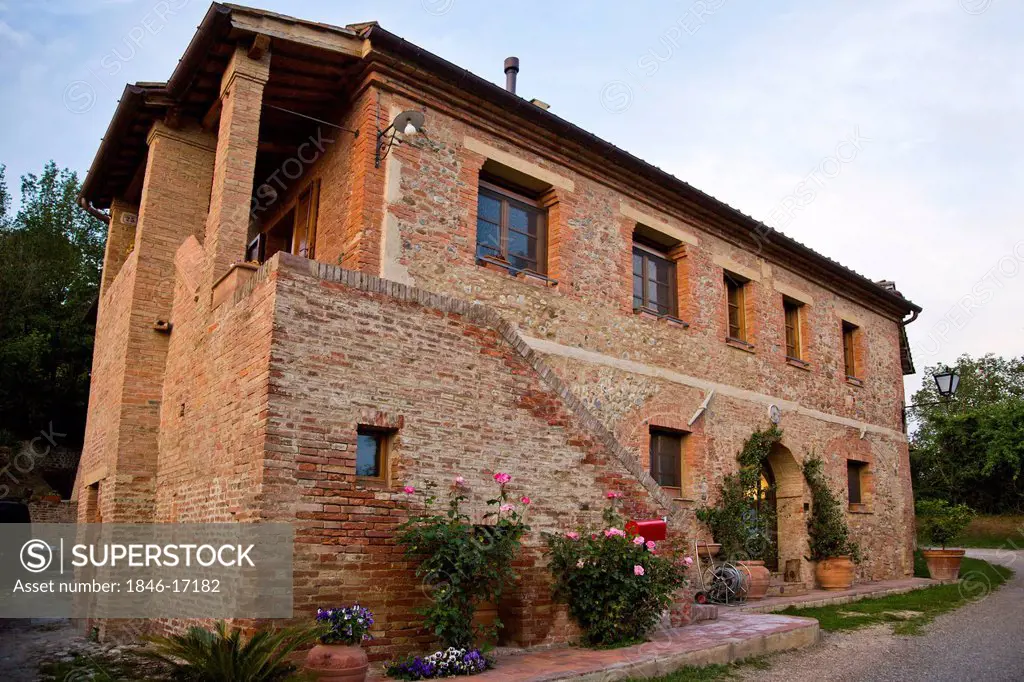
{"points": [[983, 640]]}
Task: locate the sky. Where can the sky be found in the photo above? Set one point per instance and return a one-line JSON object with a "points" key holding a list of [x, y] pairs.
{"points": [[885, 134]]}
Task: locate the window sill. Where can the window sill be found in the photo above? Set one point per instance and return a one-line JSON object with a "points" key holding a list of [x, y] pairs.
{"points": [[669, 319], [739, 344], [370, 483], [854, 381], [798, 363], [528, 276], [859, 508]]}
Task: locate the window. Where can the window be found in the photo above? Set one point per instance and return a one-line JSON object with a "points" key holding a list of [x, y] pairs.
{"points": [[372, 452], [654, 281], [294, 232], [854, 473], [792, 312], [849, 349], [666, 457], [735, 287], [510, 228]]}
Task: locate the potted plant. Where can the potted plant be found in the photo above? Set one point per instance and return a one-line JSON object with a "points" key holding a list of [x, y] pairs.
{"points": [[942, 523], [828, 536], [339, 657]]}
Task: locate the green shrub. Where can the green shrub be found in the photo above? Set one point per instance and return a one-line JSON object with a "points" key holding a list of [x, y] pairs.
{"points": [[828, 536], [740, 521], [202, 655], [942, 522], [615, 585], [463, 563]]}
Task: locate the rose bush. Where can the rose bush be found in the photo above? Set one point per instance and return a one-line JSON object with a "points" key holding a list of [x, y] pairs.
{"points": [[461, 563], [615, 585]]}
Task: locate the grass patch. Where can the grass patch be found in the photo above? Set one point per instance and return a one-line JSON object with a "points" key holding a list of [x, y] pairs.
{"points": [[909, 612], [717, 671]]}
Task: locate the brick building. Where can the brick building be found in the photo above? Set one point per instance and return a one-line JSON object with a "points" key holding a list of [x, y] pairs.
{"points": [[304, 310]]}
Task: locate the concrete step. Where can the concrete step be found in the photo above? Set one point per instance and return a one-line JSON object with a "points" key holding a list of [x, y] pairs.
{"points": [[704, 612], [683, 613], [784, 589]]}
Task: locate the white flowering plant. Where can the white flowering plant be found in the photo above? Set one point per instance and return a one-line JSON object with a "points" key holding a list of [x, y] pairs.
{"points": [[444, 663]]}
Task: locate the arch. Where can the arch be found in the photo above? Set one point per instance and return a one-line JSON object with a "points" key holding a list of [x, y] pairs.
{"points": [[790, 494]]}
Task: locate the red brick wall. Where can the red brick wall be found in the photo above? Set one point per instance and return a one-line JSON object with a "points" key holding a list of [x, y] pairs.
{"points": [[468, 403]]}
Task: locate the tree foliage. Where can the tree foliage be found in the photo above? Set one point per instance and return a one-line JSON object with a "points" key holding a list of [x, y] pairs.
{"points": [[52, 253], [970, 449]]}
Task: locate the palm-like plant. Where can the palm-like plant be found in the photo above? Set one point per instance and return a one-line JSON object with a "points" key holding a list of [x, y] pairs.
{"points": [[223, 655]]}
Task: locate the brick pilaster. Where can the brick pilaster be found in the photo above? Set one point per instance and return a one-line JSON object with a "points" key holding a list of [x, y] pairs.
{"points": [[120, 240], [237, 139], [120, 450]]}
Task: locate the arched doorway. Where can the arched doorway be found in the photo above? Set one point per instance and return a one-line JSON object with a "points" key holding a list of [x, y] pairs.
{"points": [[785, 496], [766, 504]]}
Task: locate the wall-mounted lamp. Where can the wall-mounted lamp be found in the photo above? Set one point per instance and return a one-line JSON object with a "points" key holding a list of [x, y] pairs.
{"points": [[409, 122], [947, 381]]}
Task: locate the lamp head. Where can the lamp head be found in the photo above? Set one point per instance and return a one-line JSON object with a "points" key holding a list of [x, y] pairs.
{"points": [[947, 381], [409, 122]]}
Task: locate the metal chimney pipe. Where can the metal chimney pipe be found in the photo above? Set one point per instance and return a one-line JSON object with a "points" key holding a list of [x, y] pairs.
{"points": [[511, 70]]}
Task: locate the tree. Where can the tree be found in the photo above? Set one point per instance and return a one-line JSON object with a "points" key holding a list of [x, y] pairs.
{"points": [[52, 253], [970, 449]]}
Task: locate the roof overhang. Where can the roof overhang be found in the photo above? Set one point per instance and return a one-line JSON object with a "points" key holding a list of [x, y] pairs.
{"points": [[303, 47]]}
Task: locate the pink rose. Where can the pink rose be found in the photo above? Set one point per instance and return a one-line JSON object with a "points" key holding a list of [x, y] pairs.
{"points": [[612, 532], [502, 479], [638, 570], [688, 561], [613, 494], [408, 490], [460, 481], [507, 507], [638, 540], [572, 535], [525, 500], [650, 545]]}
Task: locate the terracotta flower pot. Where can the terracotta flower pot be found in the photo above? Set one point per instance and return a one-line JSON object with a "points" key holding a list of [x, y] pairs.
{"points": [[943, 564], [337, 663], [760, 578], [709, 550], [835, 573]]}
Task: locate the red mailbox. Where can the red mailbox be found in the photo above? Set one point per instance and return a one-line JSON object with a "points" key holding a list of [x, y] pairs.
{"points": [[652, 529]]}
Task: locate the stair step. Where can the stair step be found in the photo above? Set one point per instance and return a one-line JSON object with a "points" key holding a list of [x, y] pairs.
{"points": [[704, 612], [786, 590]]}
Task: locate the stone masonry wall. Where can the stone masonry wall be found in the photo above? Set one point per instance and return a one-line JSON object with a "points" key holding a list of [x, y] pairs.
{"points": [[428, 228]]}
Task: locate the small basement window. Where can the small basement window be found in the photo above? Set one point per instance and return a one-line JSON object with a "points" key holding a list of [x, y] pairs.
{"points": [[372, 446], [855, 481], [667, 457]]}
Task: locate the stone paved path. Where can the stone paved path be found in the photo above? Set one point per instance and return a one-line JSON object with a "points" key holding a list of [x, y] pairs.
{"points": [[981, 641]]}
